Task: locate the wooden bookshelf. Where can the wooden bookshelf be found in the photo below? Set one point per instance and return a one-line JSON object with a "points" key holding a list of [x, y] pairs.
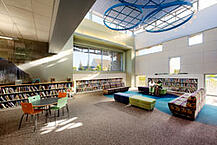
{"points": [[13, 95], [97, 84], [187, 85]]}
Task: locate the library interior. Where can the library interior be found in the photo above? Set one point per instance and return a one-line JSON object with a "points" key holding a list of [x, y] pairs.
{"points": [[108, 72]]}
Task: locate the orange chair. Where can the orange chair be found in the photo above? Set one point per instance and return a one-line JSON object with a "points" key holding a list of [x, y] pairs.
{"points": [[62, 94], [28, 110]]}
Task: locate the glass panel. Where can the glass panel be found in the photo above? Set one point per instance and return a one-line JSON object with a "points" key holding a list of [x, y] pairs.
{"points": [[197, 39], [97, 19], [80, 59], [153, 49], [174, 65], [116, 63], [107, 60], [95, 60], [206, 3], [211, 84]]}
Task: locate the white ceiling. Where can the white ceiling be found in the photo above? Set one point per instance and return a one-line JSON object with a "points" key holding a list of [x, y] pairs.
{"points": [[28, 19]]}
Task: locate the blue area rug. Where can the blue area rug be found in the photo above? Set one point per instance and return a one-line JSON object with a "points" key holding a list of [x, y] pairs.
{"points": [[208, 115]]}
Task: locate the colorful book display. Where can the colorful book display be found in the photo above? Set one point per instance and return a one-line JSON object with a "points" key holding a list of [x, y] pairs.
{"points": [[188, 85], [13, 95], [97, 84]]}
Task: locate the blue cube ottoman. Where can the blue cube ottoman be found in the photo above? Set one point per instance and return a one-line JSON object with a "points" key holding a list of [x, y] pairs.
{"points": [[122, 97]]}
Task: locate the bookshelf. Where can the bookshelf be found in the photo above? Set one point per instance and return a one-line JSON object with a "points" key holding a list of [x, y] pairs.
{"points": [[187, 85], [84, 86], [13, 95]]}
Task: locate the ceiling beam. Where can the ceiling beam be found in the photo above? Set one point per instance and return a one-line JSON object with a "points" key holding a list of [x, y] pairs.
{"points": [[69, 15]]}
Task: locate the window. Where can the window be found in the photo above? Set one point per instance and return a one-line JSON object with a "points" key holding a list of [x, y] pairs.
{"points": [[153, 49], [81, 61], [97, 19], [206, 3], [174, 64], [95, 60], [117, 61], [196, 39], [107, 60], [89, 59]]}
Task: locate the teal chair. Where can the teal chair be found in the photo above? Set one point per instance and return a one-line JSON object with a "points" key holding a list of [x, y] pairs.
{"points": [[61, 104], [34, 98]]}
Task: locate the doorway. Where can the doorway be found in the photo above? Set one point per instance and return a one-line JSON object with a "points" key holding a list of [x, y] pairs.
{"points": [[211, 84]]}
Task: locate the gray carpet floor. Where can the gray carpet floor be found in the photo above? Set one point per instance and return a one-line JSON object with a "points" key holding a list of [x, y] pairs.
{"points": [[97, 120]]}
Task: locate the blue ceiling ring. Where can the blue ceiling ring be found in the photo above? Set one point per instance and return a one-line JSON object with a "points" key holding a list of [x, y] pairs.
{"points": [[118, 5], [142, 6], [166, 5]]}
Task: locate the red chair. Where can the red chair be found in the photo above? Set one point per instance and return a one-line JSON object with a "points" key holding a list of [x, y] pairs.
{"points": [[28, 110]]}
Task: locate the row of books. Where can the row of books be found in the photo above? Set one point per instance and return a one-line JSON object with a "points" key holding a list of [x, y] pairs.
{"points": [[11, 90], [188, 85], [13, 95], [94, 85], [100, 81]]}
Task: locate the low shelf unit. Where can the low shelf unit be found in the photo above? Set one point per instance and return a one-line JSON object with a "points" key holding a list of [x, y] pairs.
{"points": [[83, 86], [13, 95]]}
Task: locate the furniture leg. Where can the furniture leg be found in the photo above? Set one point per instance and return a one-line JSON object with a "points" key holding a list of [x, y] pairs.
{"points": [[27, 117], [36, 116], [63, 111], [67, 109], [46, 115], [49, 110], [21, 121], [55, 116], [58, 113]]}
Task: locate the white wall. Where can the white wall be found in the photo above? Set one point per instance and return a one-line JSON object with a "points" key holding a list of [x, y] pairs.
{"points": [[203, 20], [195, 60]]}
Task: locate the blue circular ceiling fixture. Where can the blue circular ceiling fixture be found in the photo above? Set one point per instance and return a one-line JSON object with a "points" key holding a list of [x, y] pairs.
{"points": [[168, 16], [123, 16], [144, 3]]}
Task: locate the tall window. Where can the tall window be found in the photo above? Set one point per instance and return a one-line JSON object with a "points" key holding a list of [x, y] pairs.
{"points": [[175, 65], [89, 59], [206, 3], [107, 60], [154, 49], [196, 39], [82, 61]]}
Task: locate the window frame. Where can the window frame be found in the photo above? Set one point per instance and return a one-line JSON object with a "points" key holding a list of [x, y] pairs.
{"points": [[189, 37], [101, 49], [169, 64], [137, 53]]}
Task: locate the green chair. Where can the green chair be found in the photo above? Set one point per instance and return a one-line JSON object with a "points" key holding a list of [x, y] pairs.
{"points": [[163, 91], [61, 103]]}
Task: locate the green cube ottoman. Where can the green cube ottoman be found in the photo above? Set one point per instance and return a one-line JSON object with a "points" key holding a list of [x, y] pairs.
{"points": [[142, 102]]}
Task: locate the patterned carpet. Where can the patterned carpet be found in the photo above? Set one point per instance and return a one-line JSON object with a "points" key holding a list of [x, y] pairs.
{"points": [[98, 120], [206, 116]]}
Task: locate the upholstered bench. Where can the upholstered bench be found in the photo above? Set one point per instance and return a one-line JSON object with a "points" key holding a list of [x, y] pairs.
{"points": [[122, 97], [144, 90], [142, 102]]}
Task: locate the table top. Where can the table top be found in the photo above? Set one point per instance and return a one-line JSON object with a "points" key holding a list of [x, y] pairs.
{"points": [[45, 102]]}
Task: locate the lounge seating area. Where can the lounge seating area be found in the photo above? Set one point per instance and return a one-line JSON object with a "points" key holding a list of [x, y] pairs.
{"points": [[188, 105], [146, 90], [135, 100], [111, 89]]}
